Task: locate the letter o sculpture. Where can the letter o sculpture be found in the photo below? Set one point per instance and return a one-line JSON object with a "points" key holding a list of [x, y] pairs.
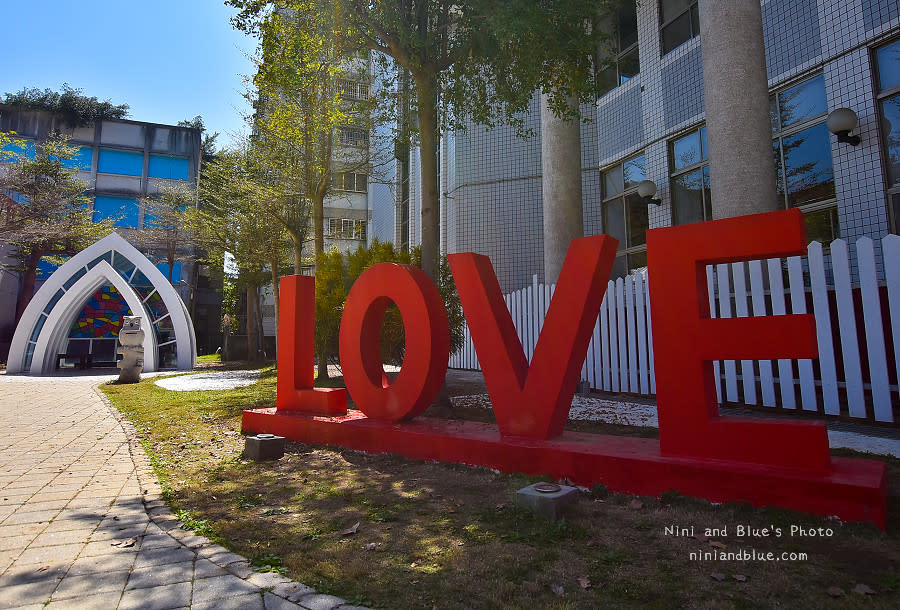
{"points": [[427, 342]]}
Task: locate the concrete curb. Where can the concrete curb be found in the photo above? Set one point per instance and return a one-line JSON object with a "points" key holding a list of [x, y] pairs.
{"points": [[270, 584]]}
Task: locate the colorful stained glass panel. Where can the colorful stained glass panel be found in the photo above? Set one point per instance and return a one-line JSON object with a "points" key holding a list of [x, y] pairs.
{"points": [[101, 316]]}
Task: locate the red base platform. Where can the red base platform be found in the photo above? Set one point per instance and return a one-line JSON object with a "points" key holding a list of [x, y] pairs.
{"points": [[852, 489]]}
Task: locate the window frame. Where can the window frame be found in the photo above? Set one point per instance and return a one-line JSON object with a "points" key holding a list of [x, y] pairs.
{"points": [[614, 67], [891, 191], [702, 164], [626, 251], [353, 142], [693, 5], [779, 133]]}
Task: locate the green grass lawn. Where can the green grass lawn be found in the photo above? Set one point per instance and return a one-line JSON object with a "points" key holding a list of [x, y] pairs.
{"points": [[449, 536]]}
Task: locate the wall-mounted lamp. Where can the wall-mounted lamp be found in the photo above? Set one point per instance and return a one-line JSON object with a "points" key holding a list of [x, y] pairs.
{"points": [[646, 190], [840, 122]]}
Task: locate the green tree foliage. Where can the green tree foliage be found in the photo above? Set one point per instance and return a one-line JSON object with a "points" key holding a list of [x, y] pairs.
{"points": [[331, 292], [44, 209], [304, 61], [477, 59], [208, 141], [167, 215], [234, 220], [339, 273], [75, 108]]}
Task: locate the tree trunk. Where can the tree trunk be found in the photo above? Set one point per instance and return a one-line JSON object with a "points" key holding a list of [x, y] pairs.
{"points": [[297, 244], [29, 276], [252, 334], [319, 241], [276, 291], [426, 94]]}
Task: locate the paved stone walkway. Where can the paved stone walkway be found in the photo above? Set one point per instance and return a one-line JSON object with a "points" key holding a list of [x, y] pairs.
{"points": [[82, 524]]}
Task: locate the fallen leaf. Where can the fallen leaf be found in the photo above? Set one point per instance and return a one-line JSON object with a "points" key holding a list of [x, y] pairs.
{"points": [[43, 568], [700, 537], [717, 576], [635, 504], [740, 578], [350, 530], [584, 582], [718, 545], [558, 590], [863, 589], [125, 543], [835, 592], [370, 547]]}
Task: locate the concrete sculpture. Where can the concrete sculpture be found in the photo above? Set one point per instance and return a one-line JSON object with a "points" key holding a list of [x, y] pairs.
{"points": [[131, 348]]}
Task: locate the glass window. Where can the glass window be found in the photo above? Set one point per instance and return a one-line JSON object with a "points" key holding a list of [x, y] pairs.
{"points": [[680, 21], [802, 152], [687, 151], [822, 226], [890, 130], [802, 102], [808, 171], [888, 61], [625, 213], [624, 60], [689, 158]]}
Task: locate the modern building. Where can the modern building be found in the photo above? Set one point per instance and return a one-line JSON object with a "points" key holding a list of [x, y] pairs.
{"points": [[121, 161], [820, 55]]}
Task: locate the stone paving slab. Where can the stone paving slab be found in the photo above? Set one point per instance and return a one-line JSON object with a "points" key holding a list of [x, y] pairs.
{"points": [[82, 522]]}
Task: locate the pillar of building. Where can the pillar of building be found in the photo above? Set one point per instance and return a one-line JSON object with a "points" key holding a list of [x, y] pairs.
{"points": [[560, 188], [736, 94]]}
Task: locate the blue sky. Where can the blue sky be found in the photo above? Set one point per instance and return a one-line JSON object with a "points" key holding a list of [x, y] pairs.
{"points": [[167, 59]]}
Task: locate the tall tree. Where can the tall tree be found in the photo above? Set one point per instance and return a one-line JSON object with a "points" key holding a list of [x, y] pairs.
{"points": [[234, 223], [312, 109], [477, 59], [166, 217], [208, 140], [44, 210]]}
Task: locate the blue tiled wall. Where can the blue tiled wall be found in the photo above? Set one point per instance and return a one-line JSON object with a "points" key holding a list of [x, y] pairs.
{"points": [[173, 168], [111, 207], [120, 162]]}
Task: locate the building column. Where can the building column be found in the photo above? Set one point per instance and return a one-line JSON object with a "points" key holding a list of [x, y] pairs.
{"points": [[736, 92], [560, 187]]}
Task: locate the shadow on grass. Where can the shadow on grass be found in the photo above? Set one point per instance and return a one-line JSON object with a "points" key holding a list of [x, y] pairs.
{"points": [[450, 536]]}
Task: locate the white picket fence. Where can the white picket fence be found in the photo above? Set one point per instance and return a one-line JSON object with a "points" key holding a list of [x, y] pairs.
{"points": [[620, 355]]}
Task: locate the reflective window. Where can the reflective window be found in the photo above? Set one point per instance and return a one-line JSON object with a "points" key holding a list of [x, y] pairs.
{"points": [[802, 152], [689, 158], [822, 226], [890, 130], [808, 171], [690, 149], [887, 62], [801, 102], [623, 62], [625, 214], [680, 21]]}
